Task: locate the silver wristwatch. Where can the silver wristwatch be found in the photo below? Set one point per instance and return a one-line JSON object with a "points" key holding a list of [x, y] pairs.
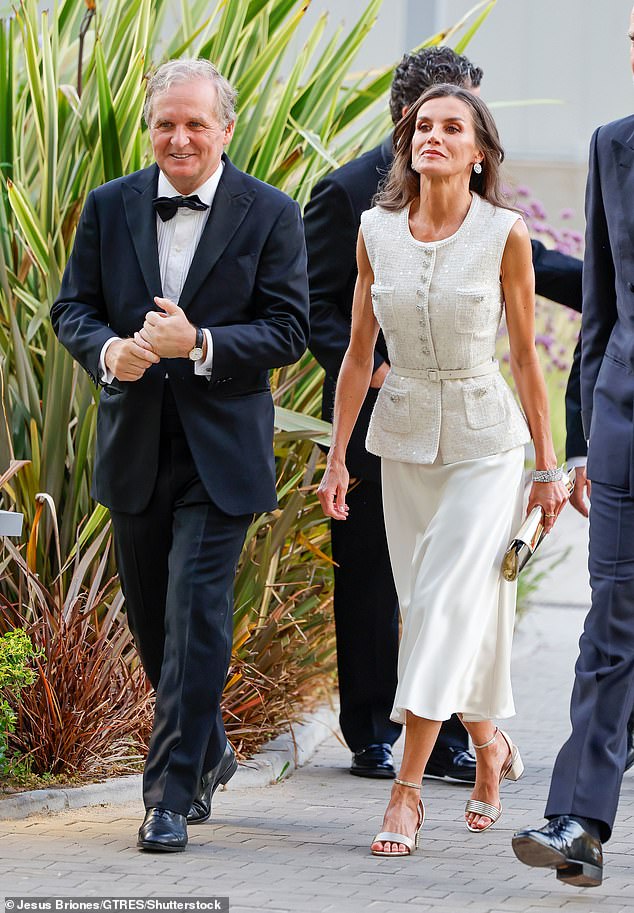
{"points": [[196, 353]]}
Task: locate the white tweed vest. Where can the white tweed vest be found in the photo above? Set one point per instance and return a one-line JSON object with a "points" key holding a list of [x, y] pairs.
{"points": [[439, 305]]}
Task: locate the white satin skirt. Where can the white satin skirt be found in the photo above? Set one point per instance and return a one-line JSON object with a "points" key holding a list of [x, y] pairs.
{"points": [[448, 527]]}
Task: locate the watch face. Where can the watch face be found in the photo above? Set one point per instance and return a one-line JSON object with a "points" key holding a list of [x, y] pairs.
{"points": [[196, 353]]}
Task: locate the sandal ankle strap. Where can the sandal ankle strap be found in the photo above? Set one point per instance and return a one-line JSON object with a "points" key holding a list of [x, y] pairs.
{"points": [[490, 742], [407, 783]]}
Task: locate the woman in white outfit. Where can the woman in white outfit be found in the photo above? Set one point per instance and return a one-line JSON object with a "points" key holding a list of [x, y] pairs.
{"points": [[439, 258]]}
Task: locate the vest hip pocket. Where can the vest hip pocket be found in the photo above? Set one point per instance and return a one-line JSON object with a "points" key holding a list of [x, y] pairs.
{"points": [[483, 406], [393, 410]]}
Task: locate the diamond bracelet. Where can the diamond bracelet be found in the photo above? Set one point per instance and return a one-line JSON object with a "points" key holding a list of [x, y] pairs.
{"points": [[548, 475]]}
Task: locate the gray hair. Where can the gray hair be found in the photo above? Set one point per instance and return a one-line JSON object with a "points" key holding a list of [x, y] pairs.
{"points": [[178, 71]]}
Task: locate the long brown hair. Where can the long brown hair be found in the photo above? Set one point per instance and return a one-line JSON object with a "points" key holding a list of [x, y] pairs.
{"points": [[402, 183]]}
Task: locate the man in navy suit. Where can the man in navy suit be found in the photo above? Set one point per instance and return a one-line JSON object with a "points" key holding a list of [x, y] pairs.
{"points": [[587, 776], [365, 601], [186, 284]]}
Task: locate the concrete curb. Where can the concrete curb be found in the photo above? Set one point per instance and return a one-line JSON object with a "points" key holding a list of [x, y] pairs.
{"points": [[277, 760]]}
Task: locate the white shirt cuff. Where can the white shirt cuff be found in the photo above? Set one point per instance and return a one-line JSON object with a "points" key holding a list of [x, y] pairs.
{"points": [[105, 376], [577, 462], [203, 368]]}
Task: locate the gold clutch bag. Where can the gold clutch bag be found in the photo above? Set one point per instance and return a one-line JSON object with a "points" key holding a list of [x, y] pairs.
{"points": [[526, 540]]}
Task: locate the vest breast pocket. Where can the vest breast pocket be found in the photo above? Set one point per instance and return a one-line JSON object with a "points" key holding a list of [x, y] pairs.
{"points": [[473, 312], [393, 410], [383, 305], [483, 405]]}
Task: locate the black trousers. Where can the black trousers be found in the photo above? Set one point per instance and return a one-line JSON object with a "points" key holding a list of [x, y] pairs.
{"points": [[177, 562], [588, 771], [366, 621]]}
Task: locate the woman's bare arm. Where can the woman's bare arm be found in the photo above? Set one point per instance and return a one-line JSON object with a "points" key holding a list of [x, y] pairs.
{"points": [[518, 283]]}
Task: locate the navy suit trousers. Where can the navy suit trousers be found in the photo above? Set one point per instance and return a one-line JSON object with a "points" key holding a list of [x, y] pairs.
{"points": [[587, 776]]}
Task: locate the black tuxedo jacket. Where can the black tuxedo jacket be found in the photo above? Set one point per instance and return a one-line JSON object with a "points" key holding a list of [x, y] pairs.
{"points": [[247, 283], [331, 223], [607, 358]]}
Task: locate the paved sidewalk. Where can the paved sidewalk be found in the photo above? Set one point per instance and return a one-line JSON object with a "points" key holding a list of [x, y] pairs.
{"points": [[302, 845]]}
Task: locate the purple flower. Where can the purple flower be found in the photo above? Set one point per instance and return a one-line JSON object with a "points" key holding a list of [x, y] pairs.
{"points": [[564, 247], [544, 339], [566, 213]]}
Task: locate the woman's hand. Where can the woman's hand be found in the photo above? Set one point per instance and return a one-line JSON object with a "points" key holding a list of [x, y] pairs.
{"points": [[551, 497], [332, 490]]}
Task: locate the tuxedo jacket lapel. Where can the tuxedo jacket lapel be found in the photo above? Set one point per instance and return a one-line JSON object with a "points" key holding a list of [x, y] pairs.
{"points": [[231, 203], [138, 194]]}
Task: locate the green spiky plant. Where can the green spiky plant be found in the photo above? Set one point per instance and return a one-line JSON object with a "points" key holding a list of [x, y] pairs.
{"points": [[71, 90]]}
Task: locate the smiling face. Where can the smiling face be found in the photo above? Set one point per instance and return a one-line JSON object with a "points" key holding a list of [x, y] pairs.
{"points": [[444, 141], [187, 137]]}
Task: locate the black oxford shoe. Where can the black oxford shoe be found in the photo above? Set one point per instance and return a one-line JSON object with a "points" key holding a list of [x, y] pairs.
{"points": [[453, 764], [565, 846], [629, 761], [374, 761], [163, 831], [221, 773]]}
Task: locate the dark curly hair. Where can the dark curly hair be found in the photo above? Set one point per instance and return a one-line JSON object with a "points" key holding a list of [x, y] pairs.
{"points": [[417, 72]]}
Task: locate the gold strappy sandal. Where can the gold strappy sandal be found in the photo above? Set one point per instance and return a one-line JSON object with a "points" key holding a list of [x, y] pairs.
{"points": [[512, 769], [390, 837]]}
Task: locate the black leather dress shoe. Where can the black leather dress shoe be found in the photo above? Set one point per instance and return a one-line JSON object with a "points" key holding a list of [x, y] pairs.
{"points": [[453, 764], [221, 773], [162, 831], [565, 846], [629, 761], [374, 761]]}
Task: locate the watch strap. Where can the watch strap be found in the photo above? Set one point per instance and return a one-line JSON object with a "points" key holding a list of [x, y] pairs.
{"points": [[195, 354]]}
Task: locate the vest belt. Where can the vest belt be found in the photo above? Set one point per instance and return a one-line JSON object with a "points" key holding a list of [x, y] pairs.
{"points": [[436, 374]]}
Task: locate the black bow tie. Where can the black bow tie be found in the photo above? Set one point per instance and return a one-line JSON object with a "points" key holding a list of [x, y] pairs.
{"points": [[167, 206]]}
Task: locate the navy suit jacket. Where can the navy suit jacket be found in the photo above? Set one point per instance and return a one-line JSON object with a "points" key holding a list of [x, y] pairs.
{"points": [[247, 283], [607, 332], [331, 223]]}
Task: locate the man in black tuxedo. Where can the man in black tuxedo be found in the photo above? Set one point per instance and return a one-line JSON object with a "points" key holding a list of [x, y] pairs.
{"points": [[587, 776], [186, 284], [365, 601]]}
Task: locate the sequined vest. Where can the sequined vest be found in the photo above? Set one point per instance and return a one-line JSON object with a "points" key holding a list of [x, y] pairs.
{"points": [[439, 305]]}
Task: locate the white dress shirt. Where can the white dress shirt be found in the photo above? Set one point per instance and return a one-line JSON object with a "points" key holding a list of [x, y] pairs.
{"points": [[177, 241]]}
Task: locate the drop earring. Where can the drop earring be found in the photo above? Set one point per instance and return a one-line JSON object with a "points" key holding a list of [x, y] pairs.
{"points": [[477, 168]]}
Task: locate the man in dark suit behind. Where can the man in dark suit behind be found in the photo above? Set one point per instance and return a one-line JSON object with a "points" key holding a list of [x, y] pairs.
{"points": [[365, 601], [186, 284], [586, 780]]}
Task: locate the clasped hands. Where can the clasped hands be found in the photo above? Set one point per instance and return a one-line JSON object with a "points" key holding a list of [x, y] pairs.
{"points": [[165, 334]]}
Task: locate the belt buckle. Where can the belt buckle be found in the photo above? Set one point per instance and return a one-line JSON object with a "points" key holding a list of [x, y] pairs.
{"points": [[432, 374]]}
